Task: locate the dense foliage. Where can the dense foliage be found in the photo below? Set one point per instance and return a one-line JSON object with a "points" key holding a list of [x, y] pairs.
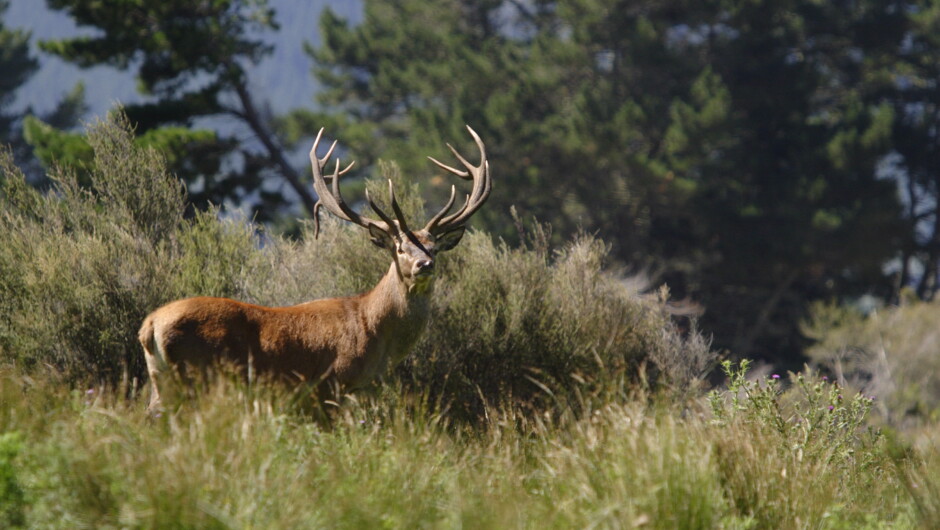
{"points": [[80, 268]]}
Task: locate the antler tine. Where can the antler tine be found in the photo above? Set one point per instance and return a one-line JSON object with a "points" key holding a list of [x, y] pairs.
{"points": [[481, 186], [333, 199], [445, 167], [402, 226], [478, 140], [347, 168], [432, 224], [329, 153], [336, 171], [385, 218], [397, 209]]}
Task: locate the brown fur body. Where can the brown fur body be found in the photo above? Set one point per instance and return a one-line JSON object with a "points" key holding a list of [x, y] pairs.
{"points": [[345, 342]]}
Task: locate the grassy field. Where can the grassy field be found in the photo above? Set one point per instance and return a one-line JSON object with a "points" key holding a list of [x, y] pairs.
{"points": [[241, 457], [549, 390]]}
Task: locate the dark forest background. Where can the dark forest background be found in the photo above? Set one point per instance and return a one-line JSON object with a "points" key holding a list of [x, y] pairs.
{"points": [[756, 156]]}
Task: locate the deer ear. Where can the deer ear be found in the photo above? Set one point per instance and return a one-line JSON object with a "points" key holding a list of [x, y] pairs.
{"points": [[380, 238], [449, 239]]}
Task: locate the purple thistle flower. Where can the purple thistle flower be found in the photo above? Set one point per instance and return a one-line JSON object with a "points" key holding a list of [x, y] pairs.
{"points": [[825, 378], [90, 391], [831, 407], [775, 376]]}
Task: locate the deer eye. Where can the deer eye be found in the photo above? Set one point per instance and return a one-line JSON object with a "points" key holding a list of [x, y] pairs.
{"points": [[401, 250]]}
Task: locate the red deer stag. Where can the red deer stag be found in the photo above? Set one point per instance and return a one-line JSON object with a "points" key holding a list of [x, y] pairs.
{"points": [[344, 342]]}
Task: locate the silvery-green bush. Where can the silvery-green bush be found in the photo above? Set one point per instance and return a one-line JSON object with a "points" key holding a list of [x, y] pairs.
{"points": [[81, 267], [889, 354]]}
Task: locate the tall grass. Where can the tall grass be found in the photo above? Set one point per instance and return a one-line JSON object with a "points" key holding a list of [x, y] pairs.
{"points": [[242, 456]]}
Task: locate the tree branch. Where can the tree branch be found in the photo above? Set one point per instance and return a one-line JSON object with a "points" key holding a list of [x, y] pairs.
{"points": [[252, 117], [744, 345]]}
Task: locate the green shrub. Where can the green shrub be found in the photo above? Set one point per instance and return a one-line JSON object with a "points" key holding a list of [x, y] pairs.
{"points": [[816, 417], [528, 325], [82, 266], [796, 454], [79, 267], [890, 354]]}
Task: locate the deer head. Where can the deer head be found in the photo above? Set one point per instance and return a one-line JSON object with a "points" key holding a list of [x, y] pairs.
{"points": [[413, 251]]}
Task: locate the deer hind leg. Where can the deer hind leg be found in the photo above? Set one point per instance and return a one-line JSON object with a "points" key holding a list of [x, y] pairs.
{"points": [[157, 367]]}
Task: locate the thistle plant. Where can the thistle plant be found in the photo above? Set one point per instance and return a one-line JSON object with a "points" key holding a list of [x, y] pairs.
{"points": [[812, 415]]}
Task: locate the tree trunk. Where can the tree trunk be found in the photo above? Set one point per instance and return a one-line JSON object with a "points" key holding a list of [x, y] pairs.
{"points": [[275, 152], [744, 345]]}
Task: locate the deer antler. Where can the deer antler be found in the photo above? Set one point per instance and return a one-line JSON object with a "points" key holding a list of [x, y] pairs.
{"points": [[480, 175], [332, 199]]}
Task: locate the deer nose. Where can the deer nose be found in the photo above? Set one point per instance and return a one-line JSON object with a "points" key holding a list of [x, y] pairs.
{"points": [[425, 265]]}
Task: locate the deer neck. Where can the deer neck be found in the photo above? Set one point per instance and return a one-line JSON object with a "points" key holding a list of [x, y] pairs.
{"points": [[401, 308]]}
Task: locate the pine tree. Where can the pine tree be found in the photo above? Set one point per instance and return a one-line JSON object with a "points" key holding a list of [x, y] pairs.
{"points": [[191, 61], [794, 204], [732, 146], [916, 103], [559, 90], [18, 65]]}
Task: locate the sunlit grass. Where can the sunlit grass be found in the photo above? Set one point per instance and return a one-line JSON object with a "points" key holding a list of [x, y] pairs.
{"points": [[237, 456]]}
